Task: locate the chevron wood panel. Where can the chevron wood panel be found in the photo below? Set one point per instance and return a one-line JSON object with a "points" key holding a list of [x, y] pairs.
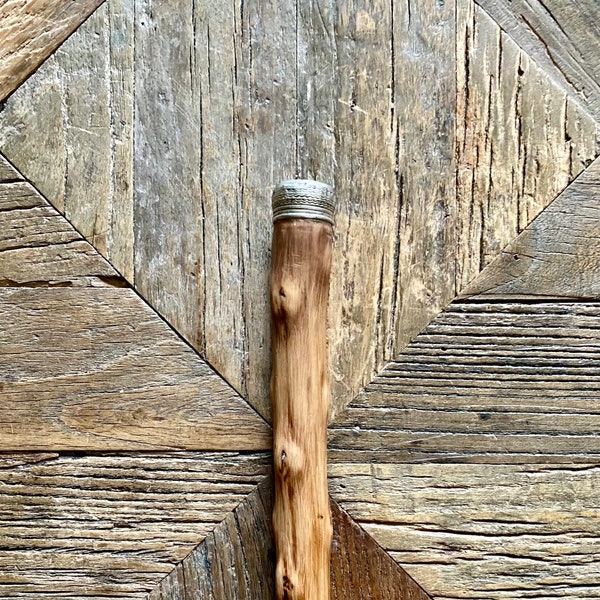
{"points": [[561, 36], [86, 364], [31, 31], [159, 133], [237, 561], [557, 256], [380, 128], [495, 531], [111, 526]]}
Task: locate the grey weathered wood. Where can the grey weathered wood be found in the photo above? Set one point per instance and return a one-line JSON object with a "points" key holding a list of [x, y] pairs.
{"points": [[31, 31], [485, 382], [561, 36], [77, 112], [521, 140], [557, 255], [494, 532], [7, 172], [96, 369], [111, 526], [229, 101], [236, 561]]}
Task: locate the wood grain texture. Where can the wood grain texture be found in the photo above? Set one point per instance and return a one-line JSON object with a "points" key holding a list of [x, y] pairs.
{"points": [[96, 369], [498, 532], [38, 247], [299, 287], [557, 255], [236, 561], [69, 130], [520, 140], [485, 382], [31, 32], [111, 526], [228, 100], [561, 36]]}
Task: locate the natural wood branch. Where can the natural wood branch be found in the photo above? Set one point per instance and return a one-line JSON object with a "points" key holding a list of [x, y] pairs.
{"points": [[301, 263]]}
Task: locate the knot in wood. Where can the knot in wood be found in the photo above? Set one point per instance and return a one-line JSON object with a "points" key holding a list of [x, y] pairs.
{"points": [[289, 460], [288, 298]]}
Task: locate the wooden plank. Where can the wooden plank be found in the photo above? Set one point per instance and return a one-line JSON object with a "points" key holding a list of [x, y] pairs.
{"points": [[561, 36], [485, 382], [509, 532], [556, 256], [69, 130], [425, 105], [521, 140], [7, 172], [31, 32], [106, 526], [97, 369], [39, 248], [237, 561]]}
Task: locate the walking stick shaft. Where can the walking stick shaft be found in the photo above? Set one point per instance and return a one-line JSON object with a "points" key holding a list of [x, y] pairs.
{"points": [[301, 265]]}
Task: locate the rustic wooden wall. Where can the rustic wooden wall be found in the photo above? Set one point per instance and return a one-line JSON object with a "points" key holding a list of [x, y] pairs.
{"points": [[461, 138]]}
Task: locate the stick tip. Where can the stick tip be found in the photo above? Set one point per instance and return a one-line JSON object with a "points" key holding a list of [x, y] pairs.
{"points": [[303, 199]]}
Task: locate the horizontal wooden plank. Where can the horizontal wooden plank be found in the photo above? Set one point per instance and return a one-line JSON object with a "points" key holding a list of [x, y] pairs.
{"points": [[557, 255], [112, 526], [38, 247], [31, 31], [236, 561], [495, 381], [97, 369], [561, 36], [496, 532]]}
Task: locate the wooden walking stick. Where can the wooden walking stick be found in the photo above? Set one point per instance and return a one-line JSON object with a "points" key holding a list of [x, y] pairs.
{"points": [[300, 268]]}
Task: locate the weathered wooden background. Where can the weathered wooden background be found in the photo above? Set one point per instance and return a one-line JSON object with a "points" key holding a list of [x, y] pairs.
{"points": [[462, 139]]}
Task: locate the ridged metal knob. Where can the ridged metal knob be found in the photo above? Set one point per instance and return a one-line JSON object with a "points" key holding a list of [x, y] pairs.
{"points": [[303, 199]]}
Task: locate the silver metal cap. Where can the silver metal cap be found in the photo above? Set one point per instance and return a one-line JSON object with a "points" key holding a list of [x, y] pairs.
{"points": [[303, 199]]}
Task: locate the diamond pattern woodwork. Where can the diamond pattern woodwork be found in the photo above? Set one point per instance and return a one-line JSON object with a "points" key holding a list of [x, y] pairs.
{"points": [[158, 132]]}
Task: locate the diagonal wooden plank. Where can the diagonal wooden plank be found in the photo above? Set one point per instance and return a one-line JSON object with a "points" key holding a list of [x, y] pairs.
{"points": [[556, 256], [561, 36], [85, 363], [496, 532], [31, 31], [237, 561], [111, 526]]}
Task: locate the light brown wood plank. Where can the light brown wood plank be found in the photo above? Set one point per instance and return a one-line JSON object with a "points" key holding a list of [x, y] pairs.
{"points": [[561, 36], [112, 526], [31, 31], [501, 382], [557, 255], [237, 561], [425, 105], [494, 532], [521, 140], [96, 369]]}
